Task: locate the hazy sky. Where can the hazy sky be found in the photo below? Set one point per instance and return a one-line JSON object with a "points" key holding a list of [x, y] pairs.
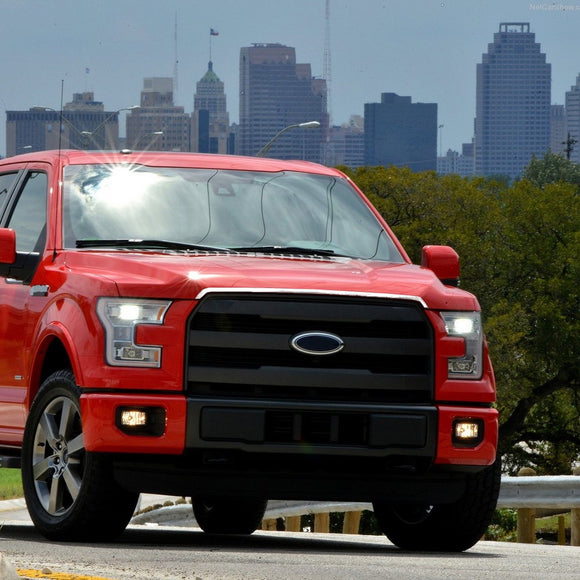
{"points": [[427, 49]]}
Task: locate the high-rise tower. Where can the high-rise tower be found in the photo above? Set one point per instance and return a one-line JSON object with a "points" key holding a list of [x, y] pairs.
{"points": [[276, 92], [210, 117], [512, 102], [573, 122]]}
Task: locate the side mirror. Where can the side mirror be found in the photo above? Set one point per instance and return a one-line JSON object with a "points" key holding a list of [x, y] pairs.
{"points": [[7, 246], [443, 261]]}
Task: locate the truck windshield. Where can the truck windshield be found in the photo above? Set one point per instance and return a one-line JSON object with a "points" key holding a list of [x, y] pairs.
{"points": [[239, 210]]}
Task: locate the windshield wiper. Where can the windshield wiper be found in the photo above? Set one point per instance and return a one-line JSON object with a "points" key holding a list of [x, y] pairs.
{"points": [[296, 250], [149, 244]]}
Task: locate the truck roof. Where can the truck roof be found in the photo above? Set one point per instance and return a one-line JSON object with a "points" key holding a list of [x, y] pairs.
{"points": [[171, 159]]}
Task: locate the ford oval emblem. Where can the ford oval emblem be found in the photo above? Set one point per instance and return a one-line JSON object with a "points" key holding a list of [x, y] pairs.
{"points": [[317, 343]]}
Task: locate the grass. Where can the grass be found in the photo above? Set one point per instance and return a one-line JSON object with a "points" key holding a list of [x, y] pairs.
{"points": [[550, 524], [10, 483]]}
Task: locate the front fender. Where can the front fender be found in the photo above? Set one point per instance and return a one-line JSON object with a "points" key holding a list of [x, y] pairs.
{"points": [[74, 326]]}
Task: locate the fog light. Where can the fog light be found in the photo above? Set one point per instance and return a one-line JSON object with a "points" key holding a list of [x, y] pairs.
{"points": [[133, 418], [141, 420], [467, 432]]}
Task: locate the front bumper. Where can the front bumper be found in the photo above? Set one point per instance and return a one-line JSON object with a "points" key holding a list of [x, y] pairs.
{"points": [[409, 433]]}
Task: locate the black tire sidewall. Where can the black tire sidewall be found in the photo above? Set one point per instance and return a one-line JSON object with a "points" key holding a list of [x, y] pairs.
{"points": [[102, 508], [228, 516], [60, 384], [453, 527]]}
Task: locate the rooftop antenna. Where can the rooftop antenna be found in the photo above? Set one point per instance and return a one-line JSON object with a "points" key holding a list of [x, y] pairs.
{"points": [[60, 117], [175, 63], [60, 124]]}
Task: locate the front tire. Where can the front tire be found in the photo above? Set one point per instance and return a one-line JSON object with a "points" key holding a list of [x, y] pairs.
{"points": [[228, 516], [451, 527], [70, 494]]}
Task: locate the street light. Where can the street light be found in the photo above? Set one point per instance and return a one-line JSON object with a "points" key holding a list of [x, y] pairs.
{"points": [[263, 152], [107, 119], [61, 118], [155, 134], [83, 134]]}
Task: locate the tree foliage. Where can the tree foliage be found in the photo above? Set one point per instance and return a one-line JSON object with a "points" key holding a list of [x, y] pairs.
{"points": [[520, 247], [552, 168]]}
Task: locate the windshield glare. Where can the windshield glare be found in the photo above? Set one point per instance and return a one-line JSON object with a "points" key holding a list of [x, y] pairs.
{"points": [[221, 208]]}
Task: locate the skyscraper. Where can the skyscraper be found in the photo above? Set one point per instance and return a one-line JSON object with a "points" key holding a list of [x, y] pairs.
{"points": [[276, 92], [512, 102], [573, 120], [399, 132], [210, 120], [158, 124]]}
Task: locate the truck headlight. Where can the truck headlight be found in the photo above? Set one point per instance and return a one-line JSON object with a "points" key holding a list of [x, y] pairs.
{"points": [[466, 325], [120, 317]]}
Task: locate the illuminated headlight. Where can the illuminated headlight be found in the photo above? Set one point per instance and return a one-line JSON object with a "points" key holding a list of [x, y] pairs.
{"points": [[120, 317], [466, 325]]}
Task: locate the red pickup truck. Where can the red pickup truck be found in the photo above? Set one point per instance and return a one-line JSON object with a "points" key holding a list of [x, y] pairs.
{"points": [[235, 330]]}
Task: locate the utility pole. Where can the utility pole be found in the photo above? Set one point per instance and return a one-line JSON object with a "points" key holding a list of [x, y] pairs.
{"points": [[327, 64], [570, 142]]}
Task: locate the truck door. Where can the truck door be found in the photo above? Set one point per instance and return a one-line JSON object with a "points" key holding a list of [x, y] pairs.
{"points": [[25, 213]]}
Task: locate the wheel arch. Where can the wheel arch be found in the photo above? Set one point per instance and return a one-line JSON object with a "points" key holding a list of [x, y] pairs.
{"points": [[55, 352]]}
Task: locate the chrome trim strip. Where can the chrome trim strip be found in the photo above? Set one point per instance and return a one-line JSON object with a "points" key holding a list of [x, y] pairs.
{"points": [[231, 290]]}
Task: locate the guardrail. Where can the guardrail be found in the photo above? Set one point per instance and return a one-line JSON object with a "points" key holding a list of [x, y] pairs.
{"points": [[525, 493]]}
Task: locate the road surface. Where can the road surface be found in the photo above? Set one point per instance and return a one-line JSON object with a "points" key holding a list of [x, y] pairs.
{"points": [[160, 552]]}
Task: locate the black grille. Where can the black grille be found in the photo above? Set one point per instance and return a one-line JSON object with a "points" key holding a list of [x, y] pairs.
{"points": [[239, 346], [339, 428]]}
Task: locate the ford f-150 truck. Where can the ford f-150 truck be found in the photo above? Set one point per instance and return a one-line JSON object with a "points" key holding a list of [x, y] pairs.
{"points": [[233, 330]]}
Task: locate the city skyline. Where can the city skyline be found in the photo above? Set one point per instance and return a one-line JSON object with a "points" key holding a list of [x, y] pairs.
{"points": [[425, 49]]}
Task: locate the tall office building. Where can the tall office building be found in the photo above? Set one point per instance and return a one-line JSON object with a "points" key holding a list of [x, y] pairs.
{"points": [[559, 128], [512, 102], [275, 93], [83, 124], [158, 124], [399, 132], [573, 121], [210, 121], [346, 144], [89, 125]]}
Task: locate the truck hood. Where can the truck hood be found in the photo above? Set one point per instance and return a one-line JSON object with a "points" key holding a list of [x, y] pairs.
{"points": [[155, 275]]}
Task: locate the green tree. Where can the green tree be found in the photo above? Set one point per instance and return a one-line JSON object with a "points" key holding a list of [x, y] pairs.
{"points": [[519, 247], [552, 168]]}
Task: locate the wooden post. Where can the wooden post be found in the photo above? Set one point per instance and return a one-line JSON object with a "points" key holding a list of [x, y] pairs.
{"points": [[575, 520], [351, 522], [322, 523], [293, 524], [269, 525], [561, 531], [526, 516]]}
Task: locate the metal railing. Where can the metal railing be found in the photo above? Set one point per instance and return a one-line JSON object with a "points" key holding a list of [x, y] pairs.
{"points": [[524, 493]]}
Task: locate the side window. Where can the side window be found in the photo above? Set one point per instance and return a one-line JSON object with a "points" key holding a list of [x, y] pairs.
{"points": [[28, 217], [6, 182]]}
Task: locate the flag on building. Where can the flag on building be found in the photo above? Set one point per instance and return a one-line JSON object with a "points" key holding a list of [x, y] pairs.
{"points": [[213, 32]]}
